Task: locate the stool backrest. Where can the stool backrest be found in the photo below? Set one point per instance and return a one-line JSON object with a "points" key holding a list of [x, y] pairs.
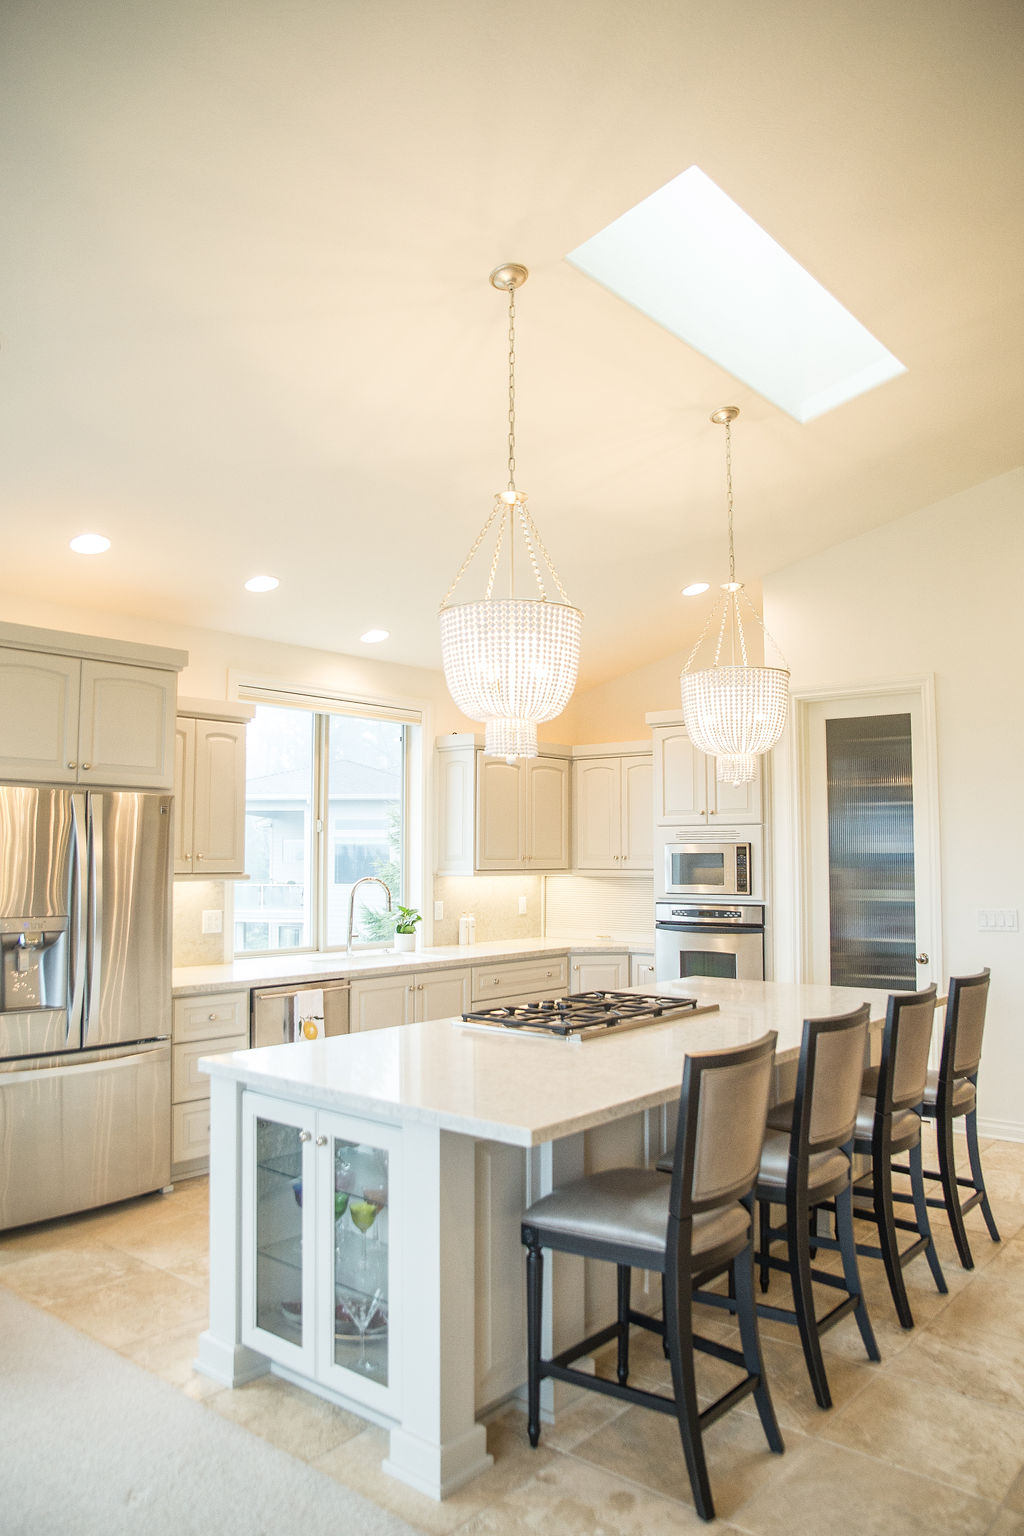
{"points": [[907, 1039], [965, 1024], [828, 1080], [723, 1106]]}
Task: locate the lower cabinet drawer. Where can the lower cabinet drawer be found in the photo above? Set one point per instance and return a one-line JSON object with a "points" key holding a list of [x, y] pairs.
{"points": [[211, 1014], [541, 978], [187, 1082], [190, 1131]]}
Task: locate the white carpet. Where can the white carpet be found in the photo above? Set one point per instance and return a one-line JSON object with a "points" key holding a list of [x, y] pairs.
{"points": [[92, 1444]]}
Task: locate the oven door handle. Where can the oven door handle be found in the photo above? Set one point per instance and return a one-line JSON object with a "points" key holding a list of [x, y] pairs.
{"points": [[751, 928]]}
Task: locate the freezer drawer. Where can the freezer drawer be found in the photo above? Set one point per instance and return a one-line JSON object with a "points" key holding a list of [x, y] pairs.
{"points": [[74, 1137]]}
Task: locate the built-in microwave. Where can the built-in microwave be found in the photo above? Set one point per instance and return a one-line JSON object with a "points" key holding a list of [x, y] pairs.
{"points": [[707, 868]]}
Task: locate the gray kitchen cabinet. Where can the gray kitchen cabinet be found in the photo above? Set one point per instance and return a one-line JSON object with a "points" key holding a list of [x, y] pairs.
{"points": [[209, 788], [86, 719], [493, 815], [612, 808]]}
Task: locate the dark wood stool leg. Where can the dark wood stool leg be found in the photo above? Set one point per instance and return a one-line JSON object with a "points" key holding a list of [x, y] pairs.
{"points": [[750, 1339], [534, 1302], [950, 1188], [974, 1154], [851, 1273], [679, 1334], [881, 1189], [764, 1212], [921, 1213], [798, 1239], [622, 1369]]}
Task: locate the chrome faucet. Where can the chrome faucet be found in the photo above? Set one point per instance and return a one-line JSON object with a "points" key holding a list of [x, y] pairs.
{"points": [[363, 880]]}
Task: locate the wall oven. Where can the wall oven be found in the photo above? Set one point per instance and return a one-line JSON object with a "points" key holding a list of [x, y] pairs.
{"points": [[708, 939]]}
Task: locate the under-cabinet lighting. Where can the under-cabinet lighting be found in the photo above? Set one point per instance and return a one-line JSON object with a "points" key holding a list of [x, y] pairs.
{"points": [[694, 262], [262, 584], [90, 544]]}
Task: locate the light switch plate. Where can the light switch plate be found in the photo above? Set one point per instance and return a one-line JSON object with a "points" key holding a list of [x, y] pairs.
{"points": [[438, 911], [998, 920], [522, 906], [213, 920]]}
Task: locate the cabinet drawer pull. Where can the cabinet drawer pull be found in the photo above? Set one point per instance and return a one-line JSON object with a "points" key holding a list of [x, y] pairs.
{"points": [[211, 1017], [305, 1135]]}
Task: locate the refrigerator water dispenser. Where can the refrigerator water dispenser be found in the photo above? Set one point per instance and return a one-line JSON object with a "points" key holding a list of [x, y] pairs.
{"points": [[34, 972]]}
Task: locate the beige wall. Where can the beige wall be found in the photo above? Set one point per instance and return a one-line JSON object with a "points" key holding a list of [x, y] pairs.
{"points": [[938, 592]]}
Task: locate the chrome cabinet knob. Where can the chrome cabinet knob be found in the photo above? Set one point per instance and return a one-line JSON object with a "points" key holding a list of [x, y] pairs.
{"points": [[305, 1135], [72, 765], [211, 1017], [922, 958], [87, 765], [199, 855], [321, 1141]]}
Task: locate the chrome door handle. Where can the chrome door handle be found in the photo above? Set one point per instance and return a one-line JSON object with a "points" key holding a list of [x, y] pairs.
{"points": [[922, 958]]}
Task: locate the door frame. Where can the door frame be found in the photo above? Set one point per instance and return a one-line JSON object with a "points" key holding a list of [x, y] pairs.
{"points": [[926, 798]]}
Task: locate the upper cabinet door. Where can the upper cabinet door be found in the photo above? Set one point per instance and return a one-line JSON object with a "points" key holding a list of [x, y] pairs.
{"points": [[184, 793], [498, 813], [39, 696], [680, 779], [219, 835], [734, 803], [637, 819], [547, 813], [596, 809], [126, 732]]}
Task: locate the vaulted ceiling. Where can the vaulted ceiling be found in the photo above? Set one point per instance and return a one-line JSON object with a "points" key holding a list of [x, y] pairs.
{"points": [[246, 324]]}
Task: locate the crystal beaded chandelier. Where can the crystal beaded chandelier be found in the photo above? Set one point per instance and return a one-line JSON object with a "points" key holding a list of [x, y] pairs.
{"points": [[733, 710], [511, 662]]}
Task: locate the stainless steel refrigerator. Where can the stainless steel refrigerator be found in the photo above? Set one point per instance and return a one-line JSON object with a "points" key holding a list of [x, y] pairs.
{"points": [[85, 999]]}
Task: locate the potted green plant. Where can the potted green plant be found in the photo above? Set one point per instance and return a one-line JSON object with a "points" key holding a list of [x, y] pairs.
{"points": [[405, 927]]}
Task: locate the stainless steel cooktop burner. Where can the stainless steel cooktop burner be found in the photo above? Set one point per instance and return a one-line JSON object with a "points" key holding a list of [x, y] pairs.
{"points": [[583, 1015]]}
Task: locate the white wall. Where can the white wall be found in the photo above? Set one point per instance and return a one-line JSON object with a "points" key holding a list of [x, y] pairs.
{"points": [[938, 592]]}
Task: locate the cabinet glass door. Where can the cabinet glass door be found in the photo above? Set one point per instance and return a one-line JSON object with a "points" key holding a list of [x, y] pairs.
{"points": [[361, 1187], [277, 1229]]}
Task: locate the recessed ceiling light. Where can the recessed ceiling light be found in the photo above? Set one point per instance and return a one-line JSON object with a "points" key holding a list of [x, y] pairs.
{"points": [[695, 588], [691, 259], [372, 636], [90, 544], [262, 584]]}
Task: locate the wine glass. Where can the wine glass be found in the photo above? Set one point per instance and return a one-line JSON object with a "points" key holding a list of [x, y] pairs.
{"points": [[361, 1307], [364, 1214]]}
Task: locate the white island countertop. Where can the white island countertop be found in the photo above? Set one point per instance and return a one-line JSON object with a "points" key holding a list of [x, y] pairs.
{"points": [[526, 1091]]}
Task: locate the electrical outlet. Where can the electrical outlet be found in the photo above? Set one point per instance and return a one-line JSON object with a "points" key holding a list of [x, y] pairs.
{"points": [[522, 906], [438, 911], [213, 920]]}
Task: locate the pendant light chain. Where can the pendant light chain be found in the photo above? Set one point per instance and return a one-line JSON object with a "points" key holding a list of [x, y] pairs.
{"points": [[728, 494], [511, 389]]}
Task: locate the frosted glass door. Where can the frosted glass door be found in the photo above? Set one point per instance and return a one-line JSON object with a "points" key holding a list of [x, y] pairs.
{"points": [[361, 1186]]}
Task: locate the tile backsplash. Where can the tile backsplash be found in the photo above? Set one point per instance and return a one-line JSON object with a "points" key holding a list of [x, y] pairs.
{"points": [[191, 946], [493, 901]]}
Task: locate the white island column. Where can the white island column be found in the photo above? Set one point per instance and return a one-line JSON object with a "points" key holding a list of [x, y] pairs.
{"points": [[438, 1445]]}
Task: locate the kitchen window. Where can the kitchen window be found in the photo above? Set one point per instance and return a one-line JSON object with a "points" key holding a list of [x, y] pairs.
{"points": [[327, 803]]}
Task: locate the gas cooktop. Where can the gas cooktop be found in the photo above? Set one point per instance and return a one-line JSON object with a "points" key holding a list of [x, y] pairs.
{"points": [[583, 1015]]}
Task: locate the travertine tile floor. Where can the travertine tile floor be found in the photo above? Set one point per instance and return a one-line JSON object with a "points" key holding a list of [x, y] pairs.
{"points": [[930, 1440]]}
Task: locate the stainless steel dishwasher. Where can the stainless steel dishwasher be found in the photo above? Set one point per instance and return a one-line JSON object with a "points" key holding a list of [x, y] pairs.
{"points": [[276, 1011]]}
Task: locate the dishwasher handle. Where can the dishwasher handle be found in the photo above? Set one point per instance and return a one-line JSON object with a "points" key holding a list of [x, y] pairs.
{"points": [[273, 1011]]}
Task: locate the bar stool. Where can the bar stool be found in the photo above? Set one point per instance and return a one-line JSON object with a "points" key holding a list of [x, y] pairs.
{"points": [[807, 1162], [889, 1123], [952, 1092], [689, 1229]]}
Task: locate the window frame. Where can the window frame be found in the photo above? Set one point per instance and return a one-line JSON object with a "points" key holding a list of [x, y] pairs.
{"points": [[413, 716]]}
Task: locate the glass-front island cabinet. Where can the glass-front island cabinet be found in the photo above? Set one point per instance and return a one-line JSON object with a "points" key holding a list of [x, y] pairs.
{"points": [[319, 1245]]}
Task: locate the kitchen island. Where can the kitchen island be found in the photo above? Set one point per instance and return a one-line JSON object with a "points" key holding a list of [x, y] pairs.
{"points": [[365, 1193]]}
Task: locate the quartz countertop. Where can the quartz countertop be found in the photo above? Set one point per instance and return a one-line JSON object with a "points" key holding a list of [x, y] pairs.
{"points": [[308, 969], [521, 1090]]}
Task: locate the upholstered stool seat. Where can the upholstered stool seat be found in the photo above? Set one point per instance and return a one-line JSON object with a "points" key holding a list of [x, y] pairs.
{"points": [[688, 1228], [964, 1094], [628, 1207]]}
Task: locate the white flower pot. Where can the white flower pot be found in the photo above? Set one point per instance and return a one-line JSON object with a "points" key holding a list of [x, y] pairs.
{"points": [[405, 941]]}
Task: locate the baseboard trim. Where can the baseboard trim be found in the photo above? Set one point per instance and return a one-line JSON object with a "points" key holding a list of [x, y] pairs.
{"points": [[1002, 1130]]}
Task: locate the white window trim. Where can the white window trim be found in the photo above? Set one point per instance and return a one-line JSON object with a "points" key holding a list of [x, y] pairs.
{"points": [[257, 688]]}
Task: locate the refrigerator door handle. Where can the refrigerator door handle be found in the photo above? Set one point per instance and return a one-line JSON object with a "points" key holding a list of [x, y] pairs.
{"points": [[95, 906], [79, 887]]}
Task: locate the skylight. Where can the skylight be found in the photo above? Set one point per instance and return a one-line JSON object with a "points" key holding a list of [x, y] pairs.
{"points": [[693, 261]]}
